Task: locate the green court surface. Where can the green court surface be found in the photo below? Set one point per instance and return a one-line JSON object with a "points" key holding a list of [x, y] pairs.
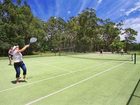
{"points": [[82, 79]]}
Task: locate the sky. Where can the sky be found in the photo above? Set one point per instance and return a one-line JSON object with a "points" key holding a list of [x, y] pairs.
{"points": [[116, 10]]}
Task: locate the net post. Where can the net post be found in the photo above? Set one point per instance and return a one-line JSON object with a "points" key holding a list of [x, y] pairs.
{"points": [[134, 58]]}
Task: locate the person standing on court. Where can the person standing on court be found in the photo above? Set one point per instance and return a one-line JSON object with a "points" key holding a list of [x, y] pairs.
{"points": [[122, 51], [18, 62], [10, 56], [101, 51]]}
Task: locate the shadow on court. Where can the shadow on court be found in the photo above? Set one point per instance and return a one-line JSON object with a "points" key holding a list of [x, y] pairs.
{"points": [[20, 81], [135, 96]]}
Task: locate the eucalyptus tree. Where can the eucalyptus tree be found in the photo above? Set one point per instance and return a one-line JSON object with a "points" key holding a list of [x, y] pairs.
{"points": [[55, 29], [109, 33], [15, 23], [7, 24], [116, 45], [130, 37], [72, 30], [87, 35], [85, 32]]}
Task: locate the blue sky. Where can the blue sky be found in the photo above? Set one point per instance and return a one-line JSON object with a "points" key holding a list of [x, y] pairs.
{"points": [[116, 10]]}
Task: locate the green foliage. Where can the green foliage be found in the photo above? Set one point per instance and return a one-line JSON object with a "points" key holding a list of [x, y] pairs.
{"points": [[129, 38], [83, 33], [17, 25]]}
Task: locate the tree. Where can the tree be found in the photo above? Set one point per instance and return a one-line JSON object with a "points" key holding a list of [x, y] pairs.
{"points": [[88, 29], [109, 33], [83, 33], [56, 28], [130, 37], [16, 24], [116, 45]]}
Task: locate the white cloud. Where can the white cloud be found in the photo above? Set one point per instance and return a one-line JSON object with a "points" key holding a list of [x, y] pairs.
{"points": [[83, 5], [39, 11], [99, 1], [133, 23], [69, 12], [58, 7], [117, 9], [1, 1], [122, 10], [135, 8]]}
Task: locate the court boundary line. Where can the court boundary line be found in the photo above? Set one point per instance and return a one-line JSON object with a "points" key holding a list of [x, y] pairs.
{"points": [[48, 78], [72, 85]]}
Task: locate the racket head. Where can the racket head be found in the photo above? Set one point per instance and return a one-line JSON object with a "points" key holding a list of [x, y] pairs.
{"points": [[33, 40]]}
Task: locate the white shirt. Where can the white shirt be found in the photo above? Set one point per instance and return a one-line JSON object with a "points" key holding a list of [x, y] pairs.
{"points": [[17, 56]]}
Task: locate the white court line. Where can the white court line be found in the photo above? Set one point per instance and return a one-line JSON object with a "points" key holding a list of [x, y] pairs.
{"points": [[41, 98], [49, 78]]}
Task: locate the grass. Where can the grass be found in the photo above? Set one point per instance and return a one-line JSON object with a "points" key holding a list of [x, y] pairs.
{"points": [[82, 79]]}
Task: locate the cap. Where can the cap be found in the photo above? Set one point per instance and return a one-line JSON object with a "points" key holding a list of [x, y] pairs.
{"points": [[15, 47]]}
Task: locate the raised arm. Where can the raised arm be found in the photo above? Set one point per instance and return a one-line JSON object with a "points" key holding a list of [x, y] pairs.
{"points": [[24, 48]]}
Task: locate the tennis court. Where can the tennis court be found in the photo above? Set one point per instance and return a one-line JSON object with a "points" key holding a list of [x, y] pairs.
{"points": [[80, 79]]}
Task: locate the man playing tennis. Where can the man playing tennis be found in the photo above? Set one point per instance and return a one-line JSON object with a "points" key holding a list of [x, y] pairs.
{"points": [[18, 62]]}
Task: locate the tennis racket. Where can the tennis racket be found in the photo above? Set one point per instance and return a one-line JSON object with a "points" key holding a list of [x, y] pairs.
{"points": [[33, 40]]}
